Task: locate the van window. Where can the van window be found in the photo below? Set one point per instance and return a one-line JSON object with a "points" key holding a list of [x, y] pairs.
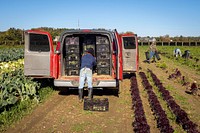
{"points": [[129, 42], [39, 42]]}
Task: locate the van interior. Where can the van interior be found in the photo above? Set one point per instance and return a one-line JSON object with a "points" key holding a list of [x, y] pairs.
{"points": [[75, 45]]}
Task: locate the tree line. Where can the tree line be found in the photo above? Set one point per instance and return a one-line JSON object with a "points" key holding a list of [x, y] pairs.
{"points": [[167, 38], [17, 35]]}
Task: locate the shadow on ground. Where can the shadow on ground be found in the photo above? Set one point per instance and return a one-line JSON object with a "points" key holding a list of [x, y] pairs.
{"points": [[96, 92]]}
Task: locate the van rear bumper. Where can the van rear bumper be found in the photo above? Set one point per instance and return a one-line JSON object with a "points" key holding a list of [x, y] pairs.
{"points": [[72, 83]]}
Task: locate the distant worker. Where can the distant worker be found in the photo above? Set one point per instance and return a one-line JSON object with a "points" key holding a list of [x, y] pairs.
{"points": [[88, 61], [177, 52], [186, 54], [153, 51]]}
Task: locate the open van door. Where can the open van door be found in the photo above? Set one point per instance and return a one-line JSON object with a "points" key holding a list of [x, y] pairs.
{"points": [[130, 52], [119, 56], [38, 54]]}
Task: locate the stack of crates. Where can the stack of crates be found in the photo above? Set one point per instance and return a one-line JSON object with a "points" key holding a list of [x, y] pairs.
{"points": [[103, 55], [72, 56]]}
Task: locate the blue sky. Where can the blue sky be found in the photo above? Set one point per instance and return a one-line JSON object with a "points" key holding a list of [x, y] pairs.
{"points": [[143, 17]]}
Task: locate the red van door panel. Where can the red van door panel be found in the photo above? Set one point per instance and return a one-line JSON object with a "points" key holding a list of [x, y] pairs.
{"points": [[119, 56], [39, 57], [129, 52]]}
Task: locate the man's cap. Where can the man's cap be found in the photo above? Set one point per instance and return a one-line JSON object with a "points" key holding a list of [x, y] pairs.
{"points": [[90, 50]]}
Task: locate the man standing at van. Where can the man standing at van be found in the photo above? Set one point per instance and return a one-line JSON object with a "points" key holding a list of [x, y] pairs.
{"points": [[88, 61]]}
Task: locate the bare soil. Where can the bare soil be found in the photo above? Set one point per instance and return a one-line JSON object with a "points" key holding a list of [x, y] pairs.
{"points": [[62, 113]]}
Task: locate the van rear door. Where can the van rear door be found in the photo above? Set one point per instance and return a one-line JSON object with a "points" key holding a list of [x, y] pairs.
{"points": [[130, 52], [38, 54], [119, 56]]}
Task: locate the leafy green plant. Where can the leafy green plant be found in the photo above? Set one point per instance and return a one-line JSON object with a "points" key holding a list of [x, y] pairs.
{"points": [[162, 65], [14, 86], [11, 54]]}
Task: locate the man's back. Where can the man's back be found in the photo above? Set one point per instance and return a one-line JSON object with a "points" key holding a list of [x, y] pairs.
{"points": [[88, 61]]}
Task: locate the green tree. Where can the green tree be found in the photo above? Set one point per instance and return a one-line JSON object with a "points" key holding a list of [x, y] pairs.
{"points": [[11, 34]]}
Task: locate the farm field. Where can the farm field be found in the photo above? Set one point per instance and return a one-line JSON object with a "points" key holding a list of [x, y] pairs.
{"points": [[194, 58], [136, 102]]}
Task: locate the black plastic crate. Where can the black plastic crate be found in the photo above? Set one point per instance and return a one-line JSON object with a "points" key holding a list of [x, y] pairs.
{"points": [[72, 63], [72, 56], [71, 40], [72, 48], [72, 71], [96, 104], [72, 66], [103, 71], [103, 55], [102, 40], [103, 63], [103, 48]]}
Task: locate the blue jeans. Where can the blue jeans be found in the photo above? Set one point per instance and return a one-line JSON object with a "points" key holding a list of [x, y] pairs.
{"points": [[85, 74], [152, 53]]}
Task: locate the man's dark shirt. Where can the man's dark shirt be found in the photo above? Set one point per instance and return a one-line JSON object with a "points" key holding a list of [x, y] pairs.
{"points": [[88, 61]]}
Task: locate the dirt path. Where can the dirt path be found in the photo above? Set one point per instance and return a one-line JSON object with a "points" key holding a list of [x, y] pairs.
{"points": [[63, 113]]}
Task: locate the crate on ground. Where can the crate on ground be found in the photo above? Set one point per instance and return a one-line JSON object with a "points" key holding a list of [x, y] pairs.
{"points": [[96, 104]]}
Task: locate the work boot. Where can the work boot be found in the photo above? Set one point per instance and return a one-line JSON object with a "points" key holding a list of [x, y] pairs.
{"points": [[80, 96], [90, 91]]}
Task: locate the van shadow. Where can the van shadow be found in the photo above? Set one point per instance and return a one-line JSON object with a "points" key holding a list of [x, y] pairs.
{"points": [[128, 75], [96, 92]]}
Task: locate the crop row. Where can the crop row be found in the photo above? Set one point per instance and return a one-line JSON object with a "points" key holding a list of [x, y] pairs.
{"points": [[160, 115], [11, 54], [181, 115], [140, 123], [14, 86]]}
